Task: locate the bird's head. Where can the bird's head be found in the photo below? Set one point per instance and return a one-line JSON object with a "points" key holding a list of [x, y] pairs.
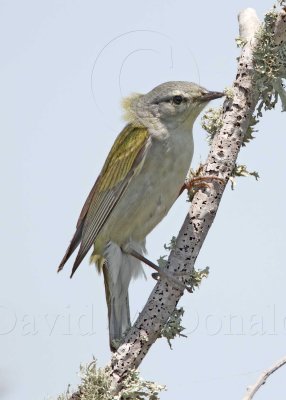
{"points": [[171, 104]]}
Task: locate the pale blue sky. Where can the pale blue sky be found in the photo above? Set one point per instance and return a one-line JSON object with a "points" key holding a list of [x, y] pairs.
{"points": [[55, 137]]}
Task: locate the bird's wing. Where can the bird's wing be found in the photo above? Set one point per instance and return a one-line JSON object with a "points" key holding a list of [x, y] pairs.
{"points": [[125, 159]]}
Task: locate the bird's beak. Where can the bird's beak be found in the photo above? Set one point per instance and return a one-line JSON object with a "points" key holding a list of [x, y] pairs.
{"points": [[211, 96]]}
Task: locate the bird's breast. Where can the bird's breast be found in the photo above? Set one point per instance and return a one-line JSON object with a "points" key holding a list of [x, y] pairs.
{"points": [[152, 192]]}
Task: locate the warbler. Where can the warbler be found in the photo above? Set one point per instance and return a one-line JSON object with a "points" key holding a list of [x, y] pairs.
{"points": [[139, 182]]}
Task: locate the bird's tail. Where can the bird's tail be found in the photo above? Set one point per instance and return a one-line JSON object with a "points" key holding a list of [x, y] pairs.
{"points": [[118, 271]]}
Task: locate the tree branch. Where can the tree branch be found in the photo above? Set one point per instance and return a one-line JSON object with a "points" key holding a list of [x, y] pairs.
{"points": [[251, 391], [236, 116]]}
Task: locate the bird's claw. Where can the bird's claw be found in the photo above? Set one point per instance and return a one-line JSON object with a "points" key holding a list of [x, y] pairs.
{"points": [[161, 273], [172, 278], [201, 182]]}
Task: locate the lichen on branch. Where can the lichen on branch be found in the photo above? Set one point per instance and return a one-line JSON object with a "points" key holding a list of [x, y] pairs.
{"points": [[96, 384], [269, 60], [212, 122], [241, 171], [173, 326]]}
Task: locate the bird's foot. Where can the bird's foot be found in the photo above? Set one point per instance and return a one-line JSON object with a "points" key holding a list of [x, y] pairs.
{"points": [[172, 277], [163, 273], [201, 182]]}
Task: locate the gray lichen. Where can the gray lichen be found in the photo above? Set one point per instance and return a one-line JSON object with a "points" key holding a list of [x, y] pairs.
{"points": [[63, 396], [228, 91], [265, 54], [240, 42], [96, 384], [197, 276], [162, 261], [173, 326], [136, 388], [212, 122], [239, 171], [250, 130], [212, 118], [269, 61], [171, 245]]}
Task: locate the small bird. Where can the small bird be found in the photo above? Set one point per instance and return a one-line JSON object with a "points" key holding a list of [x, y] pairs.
{"points": [[142, 177]]}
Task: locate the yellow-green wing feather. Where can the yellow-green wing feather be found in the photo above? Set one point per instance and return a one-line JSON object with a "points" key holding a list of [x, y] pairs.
{"points": [[125, 158], [122, 156]]}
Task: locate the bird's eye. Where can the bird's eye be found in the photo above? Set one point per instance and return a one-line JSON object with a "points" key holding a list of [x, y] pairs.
{"points": [[177, 100]]}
